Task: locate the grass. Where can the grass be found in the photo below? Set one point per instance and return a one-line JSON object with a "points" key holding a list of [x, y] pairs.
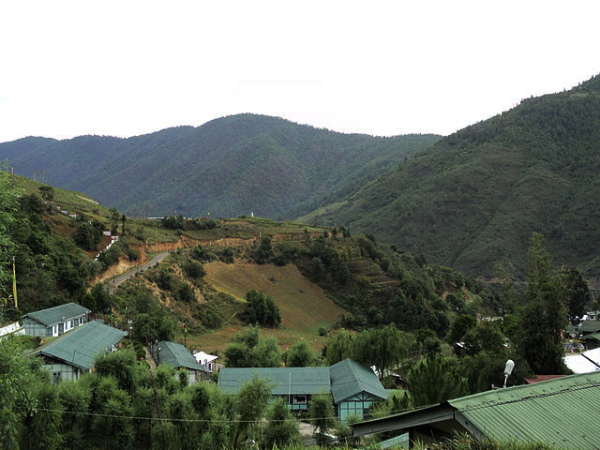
{"points": [[304, 306]]}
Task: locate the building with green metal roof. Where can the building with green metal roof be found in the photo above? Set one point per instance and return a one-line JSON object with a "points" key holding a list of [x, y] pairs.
{"points": [[55, 321], [354, 387], [71, 354], [178, 357], [559, 413]]}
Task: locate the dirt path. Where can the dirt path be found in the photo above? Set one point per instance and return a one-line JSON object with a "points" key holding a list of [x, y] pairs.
{"points": [[112, 284]]}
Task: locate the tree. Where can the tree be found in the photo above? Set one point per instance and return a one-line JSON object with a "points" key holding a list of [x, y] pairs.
{"points": [[252, 401], [282, 430], [248, 350], [578, 292], [485, 336], [340, 346], [120, 365], [261, 309], [461, 325], [15, 400], [322, 414], [435, 380], [300, 355], [545, 316], [114, 220], [382, 348], [43, 424], [47, 193]]}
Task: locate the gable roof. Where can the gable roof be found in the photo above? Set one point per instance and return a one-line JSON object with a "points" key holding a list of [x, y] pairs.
{"points": [[590, 326], [344, 380], [176, 356], [349, 378], [554, 412], [80, 347], [56, 314], [283, 380]]}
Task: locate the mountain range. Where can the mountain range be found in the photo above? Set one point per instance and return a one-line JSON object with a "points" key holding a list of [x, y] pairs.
{"points": [[471, 200], [231, 166]]}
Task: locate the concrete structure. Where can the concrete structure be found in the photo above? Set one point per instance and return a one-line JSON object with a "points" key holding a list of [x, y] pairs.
{"points": [[206, 361]]}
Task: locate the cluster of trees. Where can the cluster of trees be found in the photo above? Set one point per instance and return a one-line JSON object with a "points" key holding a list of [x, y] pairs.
{"points": [[125, 405], [261, 310]]}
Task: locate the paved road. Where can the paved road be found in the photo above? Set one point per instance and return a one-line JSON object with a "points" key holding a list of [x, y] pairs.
{"points": [[112, 284]]}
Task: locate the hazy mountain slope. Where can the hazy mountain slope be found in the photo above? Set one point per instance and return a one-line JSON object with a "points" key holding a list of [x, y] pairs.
{"points": [[234, 165], [475, 198]]}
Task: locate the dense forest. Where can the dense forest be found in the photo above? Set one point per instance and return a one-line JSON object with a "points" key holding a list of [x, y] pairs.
{"points": [[473, 200], [231, 166]]}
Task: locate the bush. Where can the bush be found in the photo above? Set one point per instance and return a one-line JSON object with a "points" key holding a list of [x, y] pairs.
{"points": [[193, 270]]}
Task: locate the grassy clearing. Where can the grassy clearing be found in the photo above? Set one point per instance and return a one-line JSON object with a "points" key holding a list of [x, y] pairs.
{"points": [[304, 306]]}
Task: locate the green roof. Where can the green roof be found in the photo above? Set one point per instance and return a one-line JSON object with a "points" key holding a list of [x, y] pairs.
{"points": [[590, 326], [557, 412], [81, 346], [593, 336], [176, 356], [56, 314], [344, 380], [349, 378], [283, 380]]}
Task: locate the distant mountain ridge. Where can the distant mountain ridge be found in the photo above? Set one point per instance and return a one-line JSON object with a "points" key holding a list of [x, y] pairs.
{"points": [[473, 200], [231, 166]]}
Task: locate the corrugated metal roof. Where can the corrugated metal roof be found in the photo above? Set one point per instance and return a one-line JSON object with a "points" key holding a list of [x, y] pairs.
{"points": [[283, 380], [349, 378], [57, 313], [590, 326], [561, 412], [81, 346], [176, 355]]}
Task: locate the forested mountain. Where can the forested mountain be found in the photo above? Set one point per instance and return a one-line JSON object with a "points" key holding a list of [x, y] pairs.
{"points": [[231, 166], [474, 199]]}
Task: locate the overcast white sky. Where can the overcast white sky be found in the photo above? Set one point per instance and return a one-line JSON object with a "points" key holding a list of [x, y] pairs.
{"points": [[129, 67]]}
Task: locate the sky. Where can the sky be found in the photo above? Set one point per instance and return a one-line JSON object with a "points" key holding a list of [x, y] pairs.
{"points": [[125, 68]]}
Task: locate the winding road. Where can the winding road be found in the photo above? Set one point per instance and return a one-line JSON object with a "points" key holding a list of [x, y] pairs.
{"points": [[112, 284]]}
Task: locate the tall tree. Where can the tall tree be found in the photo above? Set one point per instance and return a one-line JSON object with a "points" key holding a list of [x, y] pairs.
{"points": [[545, 316], [15, 399], [435, 380], [253, 398]]}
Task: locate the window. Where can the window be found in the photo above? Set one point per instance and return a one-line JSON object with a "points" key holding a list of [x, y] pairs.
{"points": [[299, 400]]}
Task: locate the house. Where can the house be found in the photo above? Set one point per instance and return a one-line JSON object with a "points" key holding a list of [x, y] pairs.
{"points": [[555, 412], [294, 384], [178, 357], [354, 387], [74, 353], [55, 321], [206, 361], [589, 327]]}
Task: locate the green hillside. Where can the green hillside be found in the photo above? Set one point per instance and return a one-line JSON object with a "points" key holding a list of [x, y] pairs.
{"points": [[231, 166], [474, 199]]}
